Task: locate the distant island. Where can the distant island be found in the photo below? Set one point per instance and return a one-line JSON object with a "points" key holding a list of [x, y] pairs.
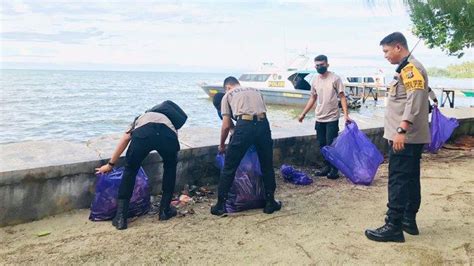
{"points": [[464, 70]]}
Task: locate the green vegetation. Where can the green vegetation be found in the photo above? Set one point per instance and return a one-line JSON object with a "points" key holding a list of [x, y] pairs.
{"points": [[447, 24], [464, 70]]}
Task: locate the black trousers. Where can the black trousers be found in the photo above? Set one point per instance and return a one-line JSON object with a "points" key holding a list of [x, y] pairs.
{"points": [[144, 140], [404, 194], [326, 132], [247, 133]]}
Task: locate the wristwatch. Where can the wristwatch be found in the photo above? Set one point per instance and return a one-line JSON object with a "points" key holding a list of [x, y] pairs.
{"points": [[111, 163], [400, 130]]}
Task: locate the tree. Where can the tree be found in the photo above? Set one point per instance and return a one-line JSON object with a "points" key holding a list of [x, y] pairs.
{"points": [[448, 24]]}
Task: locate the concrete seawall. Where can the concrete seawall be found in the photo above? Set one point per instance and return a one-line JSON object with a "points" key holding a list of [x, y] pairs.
{"points": [[38, 179]]}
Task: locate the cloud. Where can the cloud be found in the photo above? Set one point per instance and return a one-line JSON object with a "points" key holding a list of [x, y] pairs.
{"points": [[66, 37]]}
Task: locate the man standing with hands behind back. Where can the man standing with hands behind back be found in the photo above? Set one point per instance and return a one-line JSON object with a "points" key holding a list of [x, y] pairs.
{"points": [[406, 129], [325, 90]]}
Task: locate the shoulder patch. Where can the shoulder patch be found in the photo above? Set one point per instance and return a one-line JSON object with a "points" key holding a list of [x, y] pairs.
{"points": [[412, 78]]}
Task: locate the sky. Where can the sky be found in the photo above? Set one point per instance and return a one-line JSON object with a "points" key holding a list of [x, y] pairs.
{"points": [[202, 36]]}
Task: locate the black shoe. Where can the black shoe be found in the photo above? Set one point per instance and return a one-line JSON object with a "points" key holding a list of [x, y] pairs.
{"points": [[120, 220], [271, 205], [409, 226], [166, 210], [333, 174], [167, 213], [323, 171], [219, 208], [387, 233]]}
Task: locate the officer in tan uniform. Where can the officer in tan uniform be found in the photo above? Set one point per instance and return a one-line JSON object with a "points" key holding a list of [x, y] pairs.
{"points": [[406, 129], [151, 131], [246, 105]]}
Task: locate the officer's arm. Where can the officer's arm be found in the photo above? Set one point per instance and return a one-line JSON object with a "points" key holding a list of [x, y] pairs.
{"points": [[342, 96], [122, 145], [416, 98], [312, 99], [226, 126], [432, 96]]}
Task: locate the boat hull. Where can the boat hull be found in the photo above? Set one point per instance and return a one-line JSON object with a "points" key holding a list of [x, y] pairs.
{"points": [[271, 96]]}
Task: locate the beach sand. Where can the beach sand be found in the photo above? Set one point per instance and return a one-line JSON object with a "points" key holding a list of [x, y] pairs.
{"points": [[319, 224]]}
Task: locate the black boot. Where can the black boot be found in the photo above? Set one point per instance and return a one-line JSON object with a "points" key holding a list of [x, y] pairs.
{"points": [[271, 205], [219, 208], [387, 233], [323, 171], [408, 225], [120, 220], [166, 210], [333, 174]]}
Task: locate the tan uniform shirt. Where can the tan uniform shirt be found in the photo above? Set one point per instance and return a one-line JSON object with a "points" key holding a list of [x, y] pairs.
{"points": [[153, 117], [327, 90], [240, 101], [408, 100]]}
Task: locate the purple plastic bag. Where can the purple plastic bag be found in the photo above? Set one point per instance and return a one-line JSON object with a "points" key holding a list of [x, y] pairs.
{"points": [[104, 205], [247, 190], [354, 155], [294, 176], [441, 129]]}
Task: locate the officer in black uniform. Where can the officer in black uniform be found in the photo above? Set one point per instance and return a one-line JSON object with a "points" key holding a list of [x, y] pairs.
{"points": [[252, 128], [150, 131], [406, 128]]}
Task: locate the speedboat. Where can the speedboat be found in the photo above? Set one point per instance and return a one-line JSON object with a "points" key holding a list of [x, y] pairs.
{"points": [[291, 85]]}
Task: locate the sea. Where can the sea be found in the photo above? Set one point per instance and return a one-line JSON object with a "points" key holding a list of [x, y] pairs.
{"points": [[77, 106]]}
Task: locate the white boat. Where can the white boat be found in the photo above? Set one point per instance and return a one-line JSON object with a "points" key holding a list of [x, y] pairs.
{"points": [[291, 85]]}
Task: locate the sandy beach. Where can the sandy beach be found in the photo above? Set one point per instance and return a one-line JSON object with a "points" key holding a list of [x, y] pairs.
{"points": [[319, 224]]}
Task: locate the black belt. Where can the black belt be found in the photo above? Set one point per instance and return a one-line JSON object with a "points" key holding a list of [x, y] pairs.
{"points": [[257, 117]]}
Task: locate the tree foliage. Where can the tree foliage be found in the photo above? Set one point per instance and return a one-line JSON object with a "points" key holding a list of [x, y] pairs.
{"points": [[448, 24], [464, 70]]}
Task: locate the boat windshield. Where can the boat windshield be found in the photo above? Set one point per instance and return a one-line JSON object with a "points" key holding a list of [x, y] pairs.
{"points": [[254, 77]]}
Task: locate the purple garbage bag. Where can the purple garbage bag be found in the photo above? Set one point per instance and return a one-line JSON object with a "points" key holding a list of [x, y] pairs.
{"points": [[104, 205], [441, 129], [354, 155], [294, 176], [247, 189]]}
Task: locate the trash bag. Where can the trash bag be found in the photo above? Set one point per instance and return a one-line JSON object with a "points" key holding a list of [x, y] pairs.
{"points": [[294, 176], [441, 129], [104, 205], [247, 189], [354, 155]]}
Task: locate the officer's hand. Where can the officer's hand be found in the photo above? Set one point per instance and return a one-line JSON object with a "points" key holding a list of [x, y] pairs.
{"points": [[301, 117], [103, 169], [221, 149], [399, 142], [348, 119]]}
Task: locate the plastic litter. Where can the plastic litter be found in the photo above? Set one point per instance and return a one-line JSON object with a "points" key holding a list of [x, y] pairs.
{"points": [[247, 190], [294, 176], [104, 205], [441, 129], [354, 155]]}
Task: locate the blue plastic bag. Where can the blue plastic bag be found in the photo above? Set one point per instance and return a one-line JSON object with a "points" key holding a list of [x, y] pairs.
{"points": [[441, 129], [294, 176], [104, 205], [354, 155], [247, 189]]}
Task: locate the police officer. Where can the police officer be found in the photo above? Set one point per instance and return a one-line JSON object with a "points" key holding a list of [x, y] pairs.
{"points": [[406, 129], [252, 128], [150, 131]]}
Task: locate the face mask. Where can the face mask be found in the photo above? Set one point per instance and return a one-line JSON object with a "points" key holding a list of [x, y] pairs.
{"points": [[322, 69]]}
